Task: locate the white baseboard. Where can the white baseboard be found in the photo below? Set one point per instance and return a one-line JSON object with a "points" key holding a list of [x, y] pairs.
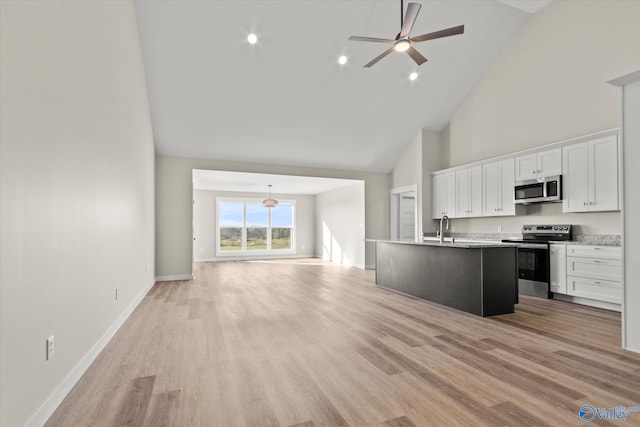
{"points": [[253, 258], [174, 277], [53, 401], [635, 350], [590, 302]]}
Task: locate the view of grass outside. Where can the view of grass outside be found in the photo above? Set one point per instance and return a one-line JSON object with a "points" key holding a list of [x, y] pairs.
{"points": [[280, 238], [256, 222], [256, 239], [230, 239]]}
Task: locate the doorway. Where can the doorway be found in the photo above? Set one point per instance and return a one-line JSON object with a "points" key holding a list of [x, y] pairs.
{"points": [[404, 213]]}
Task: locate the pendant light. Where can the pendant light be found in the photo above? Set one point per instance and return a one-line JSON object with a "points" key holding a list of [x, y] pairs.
{"points": [[270, 202]]}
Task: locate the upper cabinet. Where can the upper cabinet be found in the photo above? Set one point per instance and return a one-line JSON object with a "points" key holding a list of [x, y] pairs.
{"points": [[443, 195], [497, 189], [469, 192], [590, 176], [539, 165], [588, 165]]}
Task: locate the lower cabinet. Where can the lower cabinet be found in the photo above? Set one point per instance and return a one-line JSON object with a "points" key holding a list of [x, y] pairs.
{"points": [[558, 268], [594, 272]]}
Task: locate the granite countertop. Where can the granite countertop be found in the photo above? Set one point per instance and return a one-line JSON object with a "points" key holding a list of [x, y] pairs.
{"points": [[579, 239], [589, 243], [451, 244]]}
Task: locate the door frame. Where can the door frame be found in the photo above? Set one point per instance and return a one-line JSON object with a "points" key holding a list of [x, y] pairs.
{"points": [[394, 203]]}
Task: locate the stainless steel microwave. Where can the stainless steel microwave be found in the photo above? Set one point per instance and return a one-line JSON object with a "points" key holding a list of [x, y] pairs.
{"points": [[540, 190]]}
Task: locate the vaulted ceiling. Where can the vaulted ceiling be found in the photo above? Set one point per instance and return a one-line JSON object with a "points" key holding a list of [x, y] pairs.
{"points": [[286, 100]]}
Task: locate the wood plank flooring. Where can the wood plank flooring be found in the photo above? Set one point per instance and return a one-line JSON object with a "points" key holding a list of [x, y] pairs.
{"points": [[307, 343]]}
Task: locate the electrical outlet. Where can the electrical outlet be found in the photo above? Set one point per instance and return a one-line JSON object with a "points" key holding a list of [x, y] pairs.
{"points": [[500, 228], [50, 348]]}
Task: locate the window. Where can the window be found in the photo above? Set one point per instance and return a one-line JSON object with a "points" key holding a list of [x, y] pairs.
{"points": [[246, 227]]}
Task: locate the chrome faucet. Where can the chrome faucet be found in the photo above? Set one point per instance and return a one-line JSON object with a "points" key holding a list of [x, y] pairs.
{"points": [[444, 217]]}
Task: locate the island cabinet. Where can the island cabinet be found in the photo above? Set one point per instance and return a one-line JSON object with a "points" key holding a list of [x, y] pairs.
{"points": [[477, 278], [590, 176], [539, 164]]}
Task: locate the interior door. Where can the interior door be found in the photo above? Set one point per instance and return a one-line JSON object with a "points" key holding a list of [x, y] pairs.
{"points": [[407, 216]]}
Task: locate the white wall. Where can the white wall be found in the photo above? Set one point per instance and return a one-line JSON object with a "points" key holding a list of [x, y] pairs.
{"points": [[77, 206], [174, 188], [631, 214], [631, 209], [432, 160], [408, 171], [204, 224], [549, 85], [340, 230]]}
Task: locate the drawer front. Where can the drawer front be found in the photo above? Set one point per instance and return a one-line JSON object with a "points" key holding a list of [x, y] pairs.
{"points": [[606, 269], [608, 252], [601, 290]]}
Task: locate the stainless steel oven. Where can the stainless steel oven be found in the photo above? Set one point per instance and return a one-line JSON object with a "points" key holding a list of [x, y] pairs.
{"points": [[533, 269], [533, 257]]}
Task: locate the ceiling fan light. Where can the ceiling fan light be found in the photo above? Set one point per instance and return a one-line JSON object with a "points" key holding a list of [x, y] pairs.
{"points": [[401, 45]]}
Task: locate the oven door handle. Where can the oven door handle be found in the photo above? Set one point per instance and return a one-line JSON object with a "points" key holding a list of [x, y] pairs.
{"points": [[533, 246]]}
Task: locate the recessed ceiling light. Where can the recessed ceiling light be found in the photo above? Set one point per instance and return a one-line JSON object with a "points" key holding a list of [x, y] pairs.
{"points": [[342, 60], [413, 76], [252, 38]]}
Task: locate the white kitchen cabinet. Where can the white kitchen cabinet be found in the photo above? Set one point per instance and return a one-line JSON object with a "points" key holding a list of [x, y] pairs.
{"points": [[443, 195], [539, 164], [469, 192], [595, 272], [558, 268], [497, 189], [592, 251], [590, 176]]}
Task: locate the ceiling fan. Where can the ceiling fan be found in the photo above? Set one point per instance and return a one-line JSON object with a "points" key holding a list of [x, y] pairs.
{"points": [[402, 42]]}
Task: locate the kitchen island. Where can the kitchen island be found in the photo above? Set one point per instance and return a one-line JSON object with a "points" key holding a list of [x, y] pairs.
{"points": [[476, 277]]}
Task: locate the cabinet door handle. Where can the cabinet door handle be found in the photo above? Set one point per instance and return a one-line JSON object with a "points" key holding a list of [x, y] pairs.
{"points": [[597, 282], [595, 261], [596, 248]]}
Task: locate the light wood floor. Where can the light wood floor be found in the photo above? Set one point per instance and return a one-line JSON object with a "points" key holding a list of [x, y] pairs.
{"points": [[305, 343]]}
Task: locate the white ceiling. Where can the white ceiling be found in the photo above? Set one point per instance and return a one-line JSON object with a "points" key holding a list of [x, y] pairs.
{"points": [[258, 182], [286, 100]]}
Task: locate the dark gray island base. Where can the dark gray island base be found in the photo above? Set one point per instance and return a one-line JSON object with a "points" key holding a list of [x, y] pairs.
{"points": [[477, 278]]}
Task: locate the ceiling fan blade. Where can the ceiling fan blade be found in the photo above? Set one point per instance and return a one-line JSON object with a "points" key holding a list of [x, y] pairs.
{"points": [[370, 39], [438, 34], [410, 18], [379, 57], [416, 56]]}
